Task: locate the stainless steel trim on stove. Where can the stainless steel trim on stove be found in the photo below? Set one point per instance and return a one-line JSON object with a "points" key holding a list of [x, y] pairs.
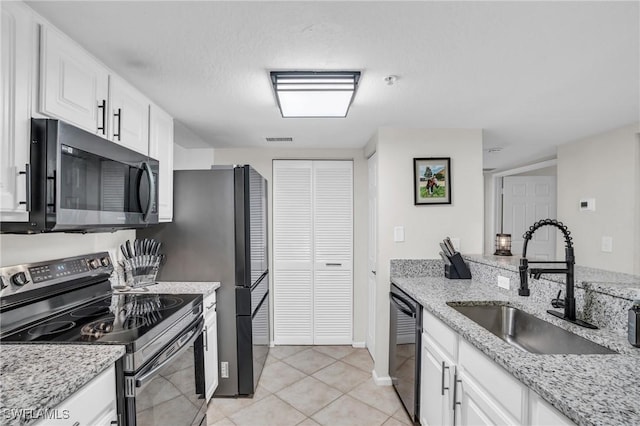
{"points": [[137, 359], [170, 353]]}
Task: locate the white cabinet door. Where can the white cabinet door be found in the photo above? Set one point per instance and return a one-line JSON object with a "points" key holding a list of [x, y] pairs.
{"points": [[210, 350], [543, 414], [293, 252], [435, 386], [16, 72], [333, 252], [93, 405], [73, 85], [129, 115], [161, 148]]}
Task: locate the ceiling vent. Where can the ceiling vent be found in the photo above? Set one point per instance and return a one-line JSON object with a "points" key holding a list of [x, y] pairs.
{"points": [[279, 139]]}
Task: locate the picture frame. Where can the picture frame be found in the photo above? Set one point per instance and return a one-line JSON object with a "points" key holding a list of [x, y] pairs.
{"points": [[431, 181]]}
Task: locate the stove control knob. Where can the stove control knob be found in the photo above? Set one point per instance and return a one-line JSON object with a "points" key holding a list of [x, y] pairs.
{"points": [[105, 261], [19, 279], [94, 263]]}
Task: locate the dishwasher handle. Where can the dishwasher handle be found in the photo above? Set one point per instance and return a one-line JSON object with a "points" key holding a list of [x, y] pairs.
{"points": [[395, 299]]}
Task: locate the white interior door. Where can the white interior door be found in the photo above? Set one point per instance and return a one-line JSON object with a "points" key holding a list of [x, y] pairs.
{"points": [[292, 252], [333, 252], [527, 199], [372, 253], [313, 252]]}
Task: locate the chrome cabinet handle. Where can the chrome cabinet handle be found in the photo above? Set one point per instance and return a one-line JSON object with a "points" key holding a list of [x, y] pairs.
{"points": [[206, 338], [442, 388], [119, 115], [333, 264], [455, 393], [211, 305], [27, 176], [76, 424]]}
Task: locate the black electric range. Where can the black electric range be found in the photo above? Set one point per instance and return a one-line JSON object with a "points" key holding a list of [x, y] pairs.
{"points": [[70, 301]]}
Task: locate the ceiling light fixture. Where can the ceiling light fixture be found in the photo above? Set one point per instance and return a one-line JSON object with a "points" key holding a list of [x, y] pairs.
{"points": [[315, 94]]}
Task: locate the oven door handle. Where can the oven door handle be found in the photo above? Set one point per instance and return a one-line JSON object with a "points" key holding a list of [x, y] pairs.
{"points": [[395, 298], [175, 349]]}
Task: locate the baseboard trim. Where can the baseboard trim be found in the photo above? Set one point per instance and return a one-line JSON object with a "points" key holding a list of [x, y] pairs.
{"points": [[359, 344], [381, 381]]}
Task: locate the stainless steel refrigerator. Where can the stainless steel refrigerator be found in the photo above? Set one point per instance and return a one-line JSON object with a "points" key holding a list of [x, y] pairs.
{"points": [[219, 233]]}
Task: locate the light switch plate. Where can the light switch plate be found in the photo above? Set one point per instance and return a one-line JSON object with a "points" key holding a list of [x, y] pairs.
{"points": [[398, 234], [607, 244]]}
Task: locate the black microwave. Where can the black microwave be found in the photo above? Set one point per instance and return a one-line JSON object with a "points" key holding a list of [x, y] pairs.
{"points": [[78, 181]]}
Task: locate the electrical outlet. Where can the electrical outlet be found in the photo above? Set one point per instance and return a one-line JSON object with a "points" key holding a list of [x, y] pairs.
{"points": [[607, 244], [504, 282], [224, 370]]}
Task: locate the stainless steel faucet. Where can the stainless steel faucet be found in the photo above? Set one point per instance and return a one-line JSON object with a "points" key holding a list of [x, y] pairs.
{"points": [[569, 302]]}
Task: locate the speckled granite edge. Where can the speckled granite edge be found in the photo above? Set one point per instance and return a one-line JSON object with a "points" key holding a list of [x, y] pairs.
{"points": [[416, 267], [176, 287], [565, 381], [616, 284], [36, 377]]}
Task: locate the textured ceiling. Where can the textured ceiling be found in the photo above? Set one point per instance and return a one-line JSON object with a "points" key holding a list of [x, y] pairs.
{"points": [[531, 74]]}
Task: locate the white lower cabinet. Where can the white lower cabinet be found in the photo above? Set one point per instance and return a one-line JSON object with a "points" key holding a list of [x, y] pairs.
{"points": [[210, 346], [542, 413], [93, 405], [436, 392], [461, 386]]}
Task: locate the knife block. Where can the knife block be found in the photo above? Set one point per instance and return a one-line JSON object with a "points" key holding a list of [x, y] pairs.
{"points": [[458, 270]]}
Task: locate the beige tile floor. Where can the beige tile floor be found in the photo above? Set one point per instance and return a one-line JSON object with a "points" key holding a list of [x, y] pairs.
{"points": [[313, 385]]}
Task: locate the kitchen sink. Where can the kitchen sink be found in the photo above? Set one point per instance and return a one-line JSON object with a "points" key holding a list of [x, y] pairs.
{"points": [[526, 332]]}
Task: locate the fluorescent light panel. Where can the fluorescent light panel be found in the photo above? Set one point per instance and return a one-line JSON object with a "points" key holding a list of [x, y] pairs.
{"points": [[315, 94]]}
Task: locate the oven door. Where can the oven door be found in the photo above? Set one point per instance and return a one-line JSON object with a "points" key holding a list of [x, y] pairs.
{"points": [[167, 391], [404, 350]]}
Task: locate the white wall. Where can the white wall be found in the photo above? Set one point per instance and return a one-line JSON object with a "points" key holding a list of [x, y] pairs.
{"points": [[604, 167], [425, 226], [192, 158], [16, 249], [262, 161]]}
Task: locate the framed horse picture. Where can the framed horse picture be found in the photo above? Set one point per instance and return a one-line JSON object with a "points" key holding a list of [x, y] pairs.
{"points": [[431, 181]]}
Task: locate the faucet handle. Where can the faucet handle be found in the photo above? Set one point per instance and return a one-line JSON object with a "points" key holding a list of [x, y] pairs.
{"points": [[557, 302]]}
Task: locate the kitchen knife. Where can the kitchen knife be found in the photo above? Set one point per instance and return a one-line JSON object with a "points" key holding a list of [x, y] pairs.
{"points": [[449, 245], [129, 251], [445, 258], [445, 249], [124, 252]]}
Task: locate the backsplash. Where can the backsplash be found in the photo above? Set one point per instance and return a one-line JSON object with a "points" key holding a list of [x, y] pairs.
{"points": [[602, 297]]}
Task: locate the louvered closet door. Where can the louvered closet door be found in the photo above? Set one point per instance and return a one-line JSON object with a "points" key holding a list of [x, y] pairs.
{"points": [[293, 256], [333, 252]]}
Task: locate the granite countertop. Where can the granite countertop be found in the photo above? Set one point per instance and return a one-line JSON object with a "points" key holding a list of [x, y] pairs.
{"points": [[36, 377], [176, 287], [616, 284], [565, 381]]}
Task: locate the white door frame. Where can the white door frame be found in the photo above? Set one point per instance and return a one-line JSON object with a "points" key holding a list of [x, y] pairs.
{"points": [[372, 258], [496, 200]]}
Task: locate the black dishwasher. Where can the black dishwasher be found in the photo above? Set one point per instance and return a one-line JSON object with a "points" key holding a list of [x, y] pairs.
{"points": [[404, 350]]}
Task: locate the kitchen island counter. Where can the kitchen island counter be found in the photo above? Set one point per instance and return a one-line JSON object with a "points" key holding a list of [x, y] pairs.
{"points": [[35, 377], [588, 389]]}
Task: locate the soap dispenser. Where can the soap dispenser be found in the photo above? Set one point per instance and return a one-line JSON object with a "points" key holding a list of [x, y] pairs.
{"points": [[634, 324]]}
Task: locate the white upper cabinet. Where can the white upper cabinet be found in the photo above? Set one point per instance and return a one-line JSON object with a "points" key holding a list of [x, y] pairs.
{"points": [[161, 148], [129, 115], [74, 86], [18, 47]]}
